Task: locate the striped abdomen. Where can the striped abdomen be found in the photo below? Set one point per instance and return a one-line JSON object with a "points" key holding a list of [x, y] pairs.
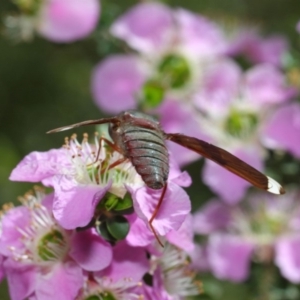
{"points": [[147, 151]]}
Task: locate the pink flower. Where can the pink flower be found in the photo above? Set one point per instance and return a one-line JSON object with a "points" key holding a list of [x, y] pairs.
{"points": [[282, 130], [128, 262], [229, 257], [122, 279], [172, 276], [265, 84], [237, 233], [287, 257], [199, 35], [259, 49], [39, 254], [235, 108], [68, 20], [76, 177], [213, 216], [173, 47], [144, 33], [220, 84], [183, 238], [66, 171], [58, 21], [182, 71], [1, 268], [116, 82], [173, 211]]}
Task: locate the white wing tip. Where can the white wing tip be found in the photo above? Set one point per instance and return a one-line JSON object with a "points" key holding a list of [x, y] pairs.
{"points": [[274, 187]]}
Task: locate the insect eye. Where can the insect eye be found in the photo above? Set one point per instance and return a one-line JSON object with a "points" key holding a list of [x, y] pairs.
{"points": [[115, 127]]}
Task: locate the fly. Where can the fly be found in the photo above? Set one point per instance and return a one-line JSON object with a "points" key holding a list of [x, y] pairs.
{"points": [[140, 139]]}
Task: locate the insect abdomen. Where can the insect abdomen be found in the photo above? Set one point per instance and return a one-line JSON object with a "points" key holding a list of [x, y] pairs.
{"points": [[147, 151]]}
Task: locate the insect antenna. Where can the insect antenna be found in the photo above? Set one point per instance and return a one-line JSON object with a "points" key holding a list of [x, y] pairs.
{"points": [[114, 120]]}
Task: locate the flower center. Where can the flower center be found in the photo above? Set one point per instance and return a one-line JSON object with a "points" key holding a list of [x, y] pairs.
{"points": [[152, 94], [174, 70], [104, 288], [266, 224], [102, 296], [241, 124], [91, 164], [48, 245]]}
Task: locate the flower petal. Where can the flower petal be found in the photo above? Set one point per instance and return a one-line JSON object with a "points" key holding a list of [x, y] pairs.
{"points": [[266, 84], [199, 258], [37, 166], [257, 49], [199, 35], [282, 130], [139, 234], [211, 217], [172, 212], [68, 20], [128, 263], [268, 50], [220, 85], [183, 238], [115, 83], [21, 279], [63, 282], [11, 223], [74, 204], [287, 257], [90, 251], [229, 257], [2, 274], [142, 32], [177, 176]]}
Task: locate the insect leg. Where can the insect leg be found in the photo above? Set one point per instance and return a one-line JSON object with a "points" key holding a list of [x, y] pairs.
{"points": [[109, 143], [156, 212], [112, 145], [117, 162]]}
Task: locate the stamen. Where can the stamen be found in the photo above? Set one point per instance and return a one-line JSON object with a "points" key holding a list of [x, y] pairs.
{"points": [[178, 278], [41, 236]]}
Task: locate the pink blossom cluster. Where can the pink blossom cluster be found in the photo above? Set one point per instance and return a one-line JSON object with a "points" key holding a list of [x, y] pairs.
{"points": [[49, 240], [185, 69], [263, 228]]}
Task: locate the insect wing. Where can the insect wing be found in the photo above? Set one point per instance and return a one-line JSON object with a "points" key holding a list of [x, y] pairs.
{"points": [[228, 161], [85, 123]]}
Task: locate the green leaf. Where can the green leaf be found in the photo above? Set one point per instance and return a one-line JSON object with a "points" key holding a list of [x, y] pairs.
{"points": [[103, 231], [118, 227], [123, 204]]}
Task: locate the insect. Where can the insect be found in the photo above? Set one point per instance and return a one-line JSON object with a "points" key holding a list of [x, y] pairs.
{"points": [[140, 139]]}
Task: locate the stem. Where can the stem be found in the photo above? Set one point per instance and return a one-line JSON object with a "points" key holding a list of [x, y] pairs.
{"points": [[266, 281]]}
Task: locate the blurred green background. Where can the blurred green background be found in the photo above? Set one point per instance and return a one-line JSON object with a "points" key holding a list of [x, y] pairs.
{"points": [[45, 85]]}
